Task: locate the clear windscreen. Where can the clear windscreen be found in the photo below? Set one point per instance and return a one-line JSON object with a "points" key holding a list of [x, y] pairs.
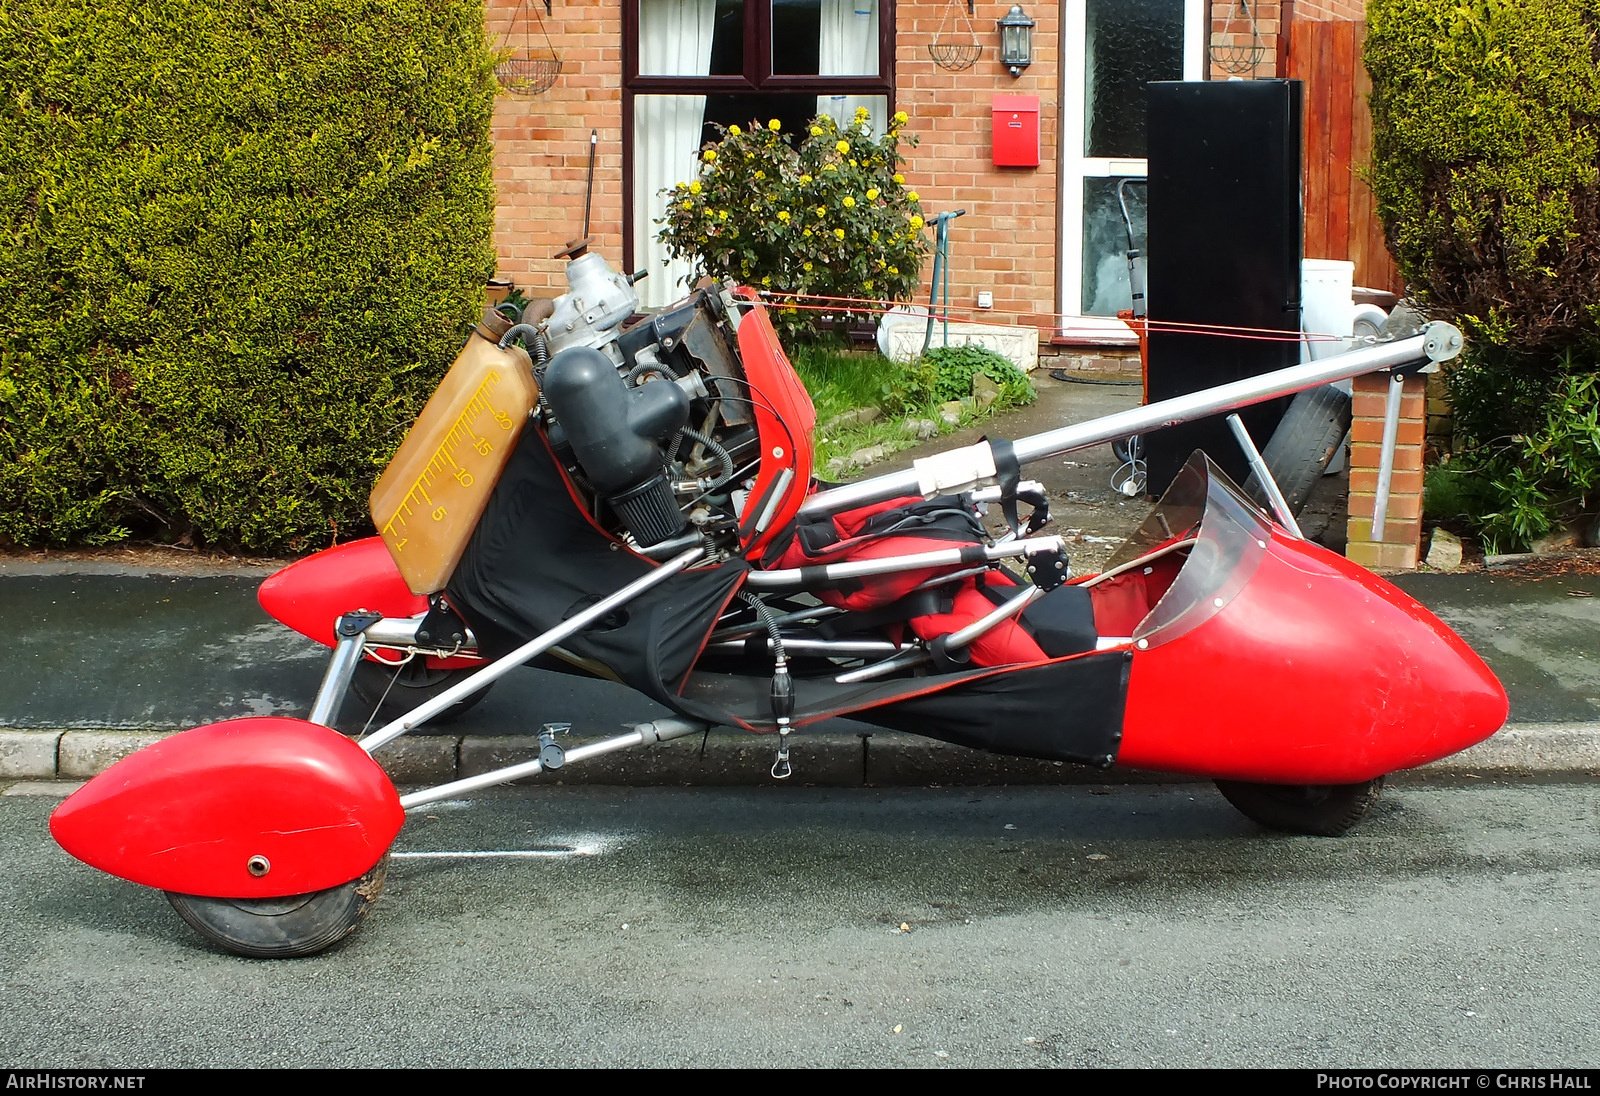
{"points": [[1230, 538]]}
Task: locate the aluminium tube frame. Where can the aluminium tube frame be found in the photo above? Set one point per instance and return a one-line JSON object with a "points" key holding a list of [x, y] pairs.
{"points": [[640, 734], [336, 679], [800, 578], [963, 469], [1391, 430], [1280, 505], [955, 641]]}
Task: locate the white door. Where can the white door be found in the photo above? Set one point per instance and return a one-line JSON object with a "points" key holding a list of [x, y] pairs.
{"points": [[1112, 49]]}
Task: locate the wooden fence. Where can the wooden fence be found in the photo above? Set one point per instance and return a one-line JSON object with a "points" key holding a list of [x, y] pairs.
{"points": [[1340, 221]]}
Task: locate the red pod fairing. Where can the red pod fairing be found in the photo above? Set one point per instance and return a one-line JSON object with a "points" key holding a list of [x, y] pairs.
{"points": [[311, 594], [785, 418], [1271, 659], [250, 808]]}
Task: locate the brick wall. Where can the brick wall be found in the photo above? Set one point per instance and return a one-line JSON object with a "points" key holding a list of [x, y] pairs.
{"points": [[1402, 530], [1232, 40], [542, 144], [1006, 243]]}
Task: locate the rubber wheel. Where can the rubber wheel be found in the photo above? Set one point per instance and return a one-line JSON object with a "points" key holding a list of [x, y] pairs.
{"points": [[1303, 444], [417, 682], [1324, 810], [283, 928]]}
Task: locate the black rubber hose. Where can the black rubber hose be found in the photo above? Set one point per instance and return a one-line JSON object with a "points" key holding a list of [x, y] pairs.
{"points": [[520, 331], [1064, 375], [782, 682], [717, 451], [648, 367], [764, 615], [541, 358]]}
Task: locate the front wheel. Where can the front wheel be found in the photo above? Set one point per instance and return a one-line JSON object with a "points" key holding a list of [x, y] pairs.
{"points": [[1324, 810], [283, 928], [394, 691]]}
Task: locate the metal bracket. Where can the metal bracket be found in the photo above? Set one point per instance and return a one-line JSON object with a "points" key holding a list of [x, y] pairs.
{"points": [[356, 623], [1048, 569], [442, 626], [552, 756], [1441, 342]]}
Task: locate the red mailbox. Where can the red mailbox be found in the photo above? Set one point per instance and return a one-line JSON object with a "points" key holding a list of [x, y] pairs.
{"points": [[1016, 131]]}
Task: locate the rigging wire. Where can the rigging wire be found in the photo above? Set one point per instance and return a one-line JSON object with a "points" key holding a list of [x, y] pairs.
{"points": [[871, 305]]}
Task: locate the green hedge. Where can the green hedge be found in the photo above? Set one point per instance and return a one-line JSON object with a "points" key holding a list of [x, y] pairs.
{"points": [[239, 245], [1486, 142]]}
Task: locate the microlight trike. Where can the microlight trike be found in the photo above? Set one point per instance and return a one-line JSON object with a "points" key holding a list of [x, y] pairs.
{"points": [[636, 500]]}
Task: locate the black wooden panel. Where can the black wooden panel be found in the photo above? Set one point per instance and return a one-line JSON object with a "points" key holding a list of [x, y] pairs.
{"points": [[1224, 238]]}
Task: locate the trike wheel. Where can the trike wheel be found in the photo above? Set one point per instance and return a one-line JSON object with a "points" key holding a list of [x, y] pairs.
{"points": [[1325, 810], [413, 683], [1303, 445], [283, 928]]}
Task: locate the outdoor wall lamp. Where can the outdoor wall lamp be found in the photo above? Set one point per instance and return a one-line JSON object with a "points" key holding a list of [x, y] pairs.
{"points": [[1016, 40]]}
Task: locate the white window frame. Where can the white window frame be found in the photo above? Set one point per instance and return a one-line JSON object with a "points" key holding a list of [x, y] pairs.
{"points": [[1074, 166]]}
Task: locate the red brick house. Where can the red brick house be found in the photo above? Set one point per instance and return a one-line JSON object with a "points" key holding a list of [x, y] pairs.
{"points": [[1045, 241]]}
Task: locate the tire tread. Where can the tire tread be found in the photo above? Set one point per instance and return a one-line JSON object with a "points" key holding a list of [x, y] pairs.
{"points": [[1303, 444], [327, 917]]}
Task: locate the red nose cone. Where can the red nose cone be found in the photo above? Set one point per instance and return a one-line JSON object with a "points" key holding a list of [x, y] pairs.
{"points": [[310, 594], [249, 808], [1317, 672]]}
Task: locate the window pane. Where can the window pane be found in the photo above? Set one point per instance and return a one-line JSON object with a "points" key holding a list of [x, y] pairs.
{"points": [[727, 44], [1105, 243], [796, 26], [793, 112], [825, 37], [1129, 43], [842, 109], [666, 143], [676, 37]]}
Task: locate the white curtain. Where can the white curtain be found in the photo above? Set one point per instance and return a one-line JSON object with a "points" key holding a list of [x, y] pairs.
{"points": [[848, 46], [674, 40]]}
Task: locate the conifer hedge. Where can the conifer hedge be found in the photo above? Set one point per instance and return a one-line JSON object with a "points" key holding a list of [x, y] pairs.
{"points": [[1486, 169], [1486, 160], [240, 241]]}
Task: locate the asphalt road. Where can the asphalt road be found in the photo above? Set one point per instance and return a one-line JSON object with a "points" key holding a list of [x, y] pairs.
{"points": [[1046, 926]]}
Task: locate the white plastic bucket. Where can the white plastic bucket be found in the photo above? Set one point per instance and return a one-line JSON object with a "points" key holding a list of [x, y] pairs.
{"points": [[1327, 306]]}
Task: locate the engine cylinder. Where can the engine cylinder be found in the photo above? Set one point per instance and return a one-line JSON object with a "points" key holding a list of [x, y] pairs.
{"points": [[616, 432]]}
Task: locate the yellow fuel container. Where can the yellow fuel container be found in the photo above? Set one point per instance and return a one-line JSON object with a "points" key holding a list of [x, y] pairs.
{"points": [[430, 497]]}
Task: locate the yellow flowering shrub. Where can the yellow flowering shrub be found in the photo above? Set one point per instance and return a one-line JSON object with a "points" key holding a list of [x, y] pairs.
{"points": [[834, 219]]}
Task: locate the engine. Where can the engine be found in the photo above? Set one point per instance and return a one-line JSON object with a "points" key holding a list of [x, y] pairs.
{"points": [[654, 421]]}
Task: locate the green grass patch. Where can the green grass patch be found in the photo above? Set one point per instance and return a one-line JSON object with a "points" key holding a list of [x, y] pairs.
{"points": [[840, 381]]}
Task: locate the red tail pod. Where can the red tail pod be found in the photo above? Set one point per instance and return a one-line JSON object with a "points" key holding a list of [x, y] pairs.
{"points": [[250, 808]]}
